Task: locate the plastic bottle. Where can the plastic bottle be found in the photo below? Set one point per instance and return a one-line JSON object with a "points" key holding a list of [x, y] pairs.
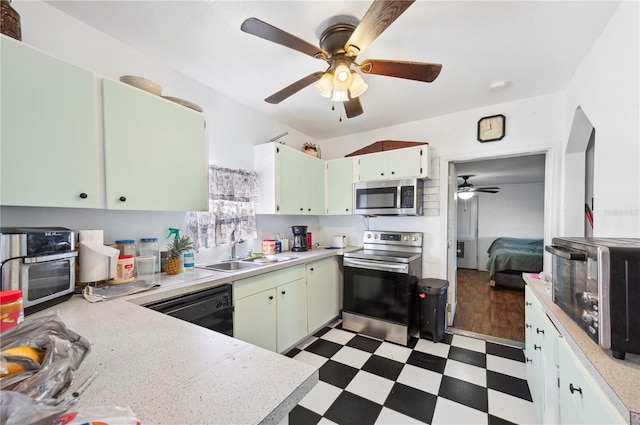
{"points": [[278, 243], [188, 261]]}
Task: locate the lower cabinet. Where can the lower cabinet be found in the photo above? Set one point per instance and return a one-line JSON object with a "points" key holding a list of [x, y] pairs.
{"points": [[541, 357], [270, 310], [323, 292], [581, 399], [561, 388]]}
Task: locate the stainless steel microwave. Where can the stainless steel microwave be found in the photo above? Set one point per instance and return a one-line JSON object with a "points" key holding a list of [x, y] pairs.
{"points": [[389, 197], [596, 281]]}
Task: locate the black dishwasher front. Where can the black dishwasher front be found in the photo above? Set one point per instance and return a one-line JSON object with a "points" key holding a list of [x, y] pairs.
{"points": [[211, 308]]}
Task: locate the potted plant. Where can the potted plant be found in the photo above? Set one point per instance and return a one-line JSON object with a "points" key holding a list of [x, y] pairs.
{"points": [[176, 248]]}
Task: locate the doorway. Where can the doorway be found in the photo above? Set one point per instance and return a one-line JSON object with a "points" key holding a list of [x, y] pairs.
{"points": [[515, 210]]}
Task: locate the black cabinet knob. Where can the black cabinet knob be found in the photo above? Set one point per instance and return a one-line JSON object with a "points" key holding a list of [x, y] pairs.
{"points": [[393, 172], [311, 269], [527, 303], [382, 174], [270, 297], [301, 209], [309, 209], [572, 389], [537, 347], [84, 195], [123, 199], [540, 331], [526, 325], [346, 209], [529, 360], [283, 292]]}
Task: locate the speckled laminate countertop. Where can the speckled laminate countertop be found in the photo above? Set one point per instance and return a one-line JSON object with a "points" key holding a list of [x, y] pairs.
{"points": [[172, 372], [619, 379]]}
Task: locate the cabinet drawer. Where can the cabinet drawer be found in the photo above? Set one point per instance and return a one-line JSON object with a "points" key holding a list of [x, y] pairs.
{"points": [[586, 404], [252, 285]]}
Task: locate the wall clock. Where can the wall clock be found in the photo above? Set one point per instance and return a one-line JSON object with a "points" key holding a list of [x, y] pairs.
{"points": [[491, 128]]}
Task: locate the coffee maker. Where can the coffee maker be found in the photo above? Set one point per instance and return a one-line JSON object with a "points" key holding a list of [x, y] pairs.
{"points": [[299, 238]]}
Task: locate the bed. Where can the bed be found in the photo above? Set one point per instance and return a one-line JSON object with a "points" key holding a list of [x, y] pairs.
{"points": [[510, 257]]}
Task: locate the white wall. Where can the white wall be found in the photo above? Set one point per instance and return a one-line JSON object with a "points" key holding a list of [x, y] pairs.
{"points": [[607, 87], [534, 125], [517, 211]]}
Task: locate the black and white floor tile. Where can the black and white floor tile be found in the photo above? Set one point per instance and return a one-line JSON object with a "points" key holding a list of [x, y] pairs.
{"points": [[462, 380]]}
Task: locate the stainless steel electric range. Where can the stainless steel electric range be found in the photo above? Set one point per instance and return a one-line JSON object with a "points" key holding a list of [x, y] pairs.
{"points": [[379, 285]]}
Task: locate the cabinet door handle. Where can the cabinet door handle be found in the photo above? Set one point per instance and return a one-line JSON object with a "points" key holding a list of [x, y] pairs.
{"points": [[270, 297], [283, 292], [382, 174], [393, 172], [526, 325], [572, 389], [346, 209], [529, 360], [311, 269], [301, 209], [540, 331], [537, 347], [309, 209], [123, 199], [83, 195], [527, 303]]}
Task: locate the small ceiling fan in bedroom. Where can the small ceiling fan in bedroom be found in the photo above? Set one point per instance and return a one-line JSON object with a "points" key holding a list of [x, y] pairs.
{"points": [[466, 189], [340, 44]]}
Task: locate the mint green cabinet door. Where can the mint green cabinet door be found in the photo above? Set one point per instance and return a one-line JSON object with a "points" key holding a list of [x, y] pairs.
{"points": [[403, 163], [49, 139], [254, 319], [323, 293], [155, 152], [291, 181], [372, 167], [291, 313], [314, 185], [340, 186]]}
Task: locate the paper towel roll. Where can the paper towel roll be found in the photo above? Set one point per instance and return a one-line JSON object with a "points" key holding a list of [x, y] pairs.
{"points": [[97, 262], [95, 236]]}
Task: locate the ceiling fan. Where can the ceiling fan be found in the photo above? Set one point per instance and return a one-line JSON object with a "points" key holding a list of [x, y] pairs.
{"points": [[466, 189], [340, 44]]}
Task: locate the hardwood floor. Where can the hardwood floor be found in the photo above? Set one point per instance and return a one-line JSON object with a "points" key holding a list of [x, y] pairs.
{"points": [[488, 310]]}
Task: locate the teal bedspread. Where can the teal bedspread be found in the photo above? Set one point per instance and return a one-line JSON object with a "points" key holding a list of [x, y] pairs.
{"points": [[523, 255]]}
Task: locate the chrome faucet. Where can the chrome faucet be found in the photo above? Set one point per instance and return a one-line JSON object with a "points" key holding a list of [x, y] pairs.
{"points": [[232, 244]]}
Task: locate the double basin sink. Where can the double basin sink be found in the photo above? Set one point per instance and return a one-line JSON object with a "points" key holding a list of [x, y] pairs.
{"points": [[246, 263]]}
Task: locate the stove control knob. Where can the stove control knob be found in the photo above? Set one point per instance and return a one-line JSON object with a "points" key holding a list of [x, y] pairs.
{"points": [[414, 238], [375, 236], [406, 238], [368, 235]]}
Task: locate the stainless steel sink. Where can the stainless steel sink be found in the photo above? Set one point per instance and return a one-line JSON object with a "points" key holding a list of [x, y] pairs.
{"points": [[268, 259], [230, 266]]}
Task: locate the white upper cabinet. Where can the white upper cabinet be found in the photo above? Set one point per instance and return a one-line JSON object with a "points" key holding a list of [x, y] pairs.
{"points": [[155, 152], [290, 182], [49, 141], [340, 186], [401, 163]]}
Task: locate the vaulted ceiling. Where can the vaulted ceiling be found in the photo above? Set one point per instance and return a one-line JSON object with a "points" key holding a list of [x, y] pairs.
{"points": [[532, 46]]}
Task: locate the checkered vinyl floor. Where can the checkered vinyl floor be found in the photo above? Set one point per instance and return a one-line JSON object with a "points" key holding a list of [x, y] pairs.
{"points": [[363, 381]]}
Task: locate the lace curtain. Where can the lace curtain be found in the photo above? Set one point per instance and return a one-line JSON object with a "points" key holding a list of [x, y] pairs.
{"points": [[232, 195]]}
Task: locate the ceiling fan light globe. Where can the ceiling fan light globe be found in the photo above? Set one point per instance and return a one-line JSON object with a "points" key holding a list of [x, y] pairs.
{"points": [[324, 86], [340, 95], [465, 195], [358, 86], [342, 77]]}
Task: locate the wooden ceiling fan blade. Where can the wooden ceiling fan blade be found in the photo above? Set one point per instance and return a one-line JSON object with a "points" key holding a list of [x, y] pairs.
{"points": [[294, 88], [380, 15], [353, 107], [268, 32], [418, 71]]}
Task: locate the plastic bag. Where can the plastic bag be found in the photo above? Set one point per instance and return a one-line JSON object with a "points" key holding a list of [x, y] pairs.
{"points": [[64, 351], [107, 415], [19, 409]]}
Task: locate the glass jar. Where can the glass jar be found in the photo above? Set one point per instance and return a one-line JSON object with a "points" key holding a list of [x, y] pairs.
{"points": [[11, 309], [126, 247], [149, 246]]}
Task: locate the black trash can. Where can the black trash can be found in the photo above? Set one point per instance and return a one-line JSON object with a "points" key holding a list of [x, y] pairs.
{"points": [[431, 297]]}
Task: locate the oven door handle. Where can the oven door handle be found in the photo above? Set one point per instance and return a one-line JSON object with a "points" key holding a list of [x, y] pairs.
{"points": [[400, 268], [45, 258], [567, 254]]}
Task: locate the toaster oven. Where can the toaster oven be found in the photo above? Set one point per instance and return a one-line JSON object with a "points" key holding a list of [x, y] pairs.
{"points": [[596, 281]]}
